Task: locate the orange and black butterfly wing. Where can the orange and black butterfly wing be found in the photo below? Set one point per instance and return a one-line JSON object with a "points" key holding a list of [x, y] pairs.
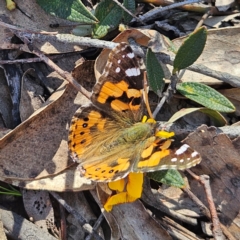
{"points": [[94, 144], [118, 90], [159, 157]]}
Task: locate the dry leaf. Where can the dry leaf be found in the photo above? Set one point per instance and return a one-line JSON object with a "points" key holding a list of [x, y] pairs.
{"points": [[233, 95], [132, 221], [30, 100], [39, 208], [38, 149], [36, 22], [222, 163]]}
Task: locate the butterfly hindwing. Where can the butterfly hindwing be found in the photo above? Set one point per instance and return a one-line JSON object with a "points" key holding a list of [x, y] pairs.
{"points": [[155, 158]]}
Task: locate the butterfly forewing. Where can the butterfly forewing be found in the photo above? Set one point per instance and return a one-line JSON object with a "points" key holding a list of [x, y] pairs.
{"points": [[119, 88], [92, 143]]}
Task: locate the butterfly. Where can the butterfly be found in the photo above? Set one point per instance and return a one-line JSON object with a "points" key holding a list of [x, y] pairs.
{"points": [[107, 137]]}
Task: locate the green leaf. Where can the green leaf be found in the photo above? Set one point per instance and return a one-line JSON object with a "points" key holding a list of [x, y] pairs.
{"points": [[155, 73], [130, 5], [170, 177], [72, 10], [190, 50], [217, 117], [205, 96], [110, 16]]}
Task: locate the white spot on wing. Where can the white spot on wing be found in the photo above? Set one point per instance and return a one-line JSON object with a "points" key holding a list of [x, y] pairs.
{"points": [[123, 56], [117, 70], [130, 55], [119, 61], [194, 154], [182, 149], [181, 161], [132, 72], [173, 159]]}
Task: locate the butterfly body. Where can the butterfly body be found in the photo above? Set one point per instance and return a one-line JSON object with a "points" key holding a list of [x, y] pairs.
{"points": [[107, 137]]}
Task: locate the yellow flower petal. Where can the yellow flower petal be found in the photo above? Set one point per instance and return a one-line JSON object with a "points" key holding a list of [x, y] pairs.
{"points": [[134, 185], [134, 190], [164, 134], [117, 185], [114, 200]]}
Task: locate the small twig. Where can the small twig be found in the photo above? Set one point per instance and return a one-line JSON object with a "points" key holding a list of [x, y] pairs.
{"points": [[204, 209], [63, 222], [217, 231], [212, 213], [167, 95], [86, 226], [156, 11], [10, 26], [59, 38], [200, 68], [35, 59], [130, 13], [167, 27], [96, 225], [204, 17], [66, 75], [159, 106]]}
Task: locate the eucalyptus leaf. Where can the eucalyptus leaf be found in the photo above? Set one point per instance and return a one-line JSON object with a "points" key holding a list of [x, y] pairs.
{"points": [[72, 10], [190, 50], [155, 73], [170, 177], [205, 96]]}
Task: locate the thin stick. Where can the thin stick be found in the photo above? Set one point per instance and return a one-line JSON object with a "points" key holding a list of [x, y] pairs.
{"points": [[156, 11], [131, 14], [218, 228], [96, 225], [217, 231], [66, 75], [86, 226], [204, 209]]}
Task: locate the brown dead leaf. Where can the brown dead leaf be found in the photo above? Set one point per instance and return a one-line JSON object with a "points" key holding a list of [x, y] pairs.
{"points": [[37, 148], [5, 103], [30, 100], [132, 221], [84, 74], [39, 208], [28, 151], [172, 202], [84, 208], [37, 21], [221, 161], [233, 95]]}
